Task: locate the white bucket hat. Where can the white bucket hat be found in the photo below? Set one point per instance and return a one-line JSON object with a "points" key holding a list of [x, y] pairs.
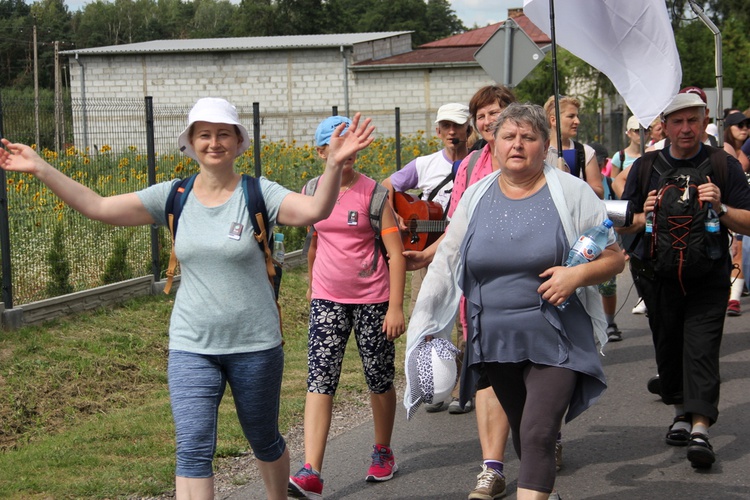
{"points": [[432, 373], [212, 110]]}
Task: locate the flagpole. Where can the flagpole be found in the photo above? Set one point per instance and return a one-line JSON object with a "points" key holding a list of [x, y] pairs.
{"points": [[556, 86], [717, 66]]}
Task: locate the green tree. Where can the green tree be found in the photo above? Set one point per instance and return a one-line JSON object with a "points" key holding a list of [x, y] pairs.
{"points": [[441, 20], [15, 43], [117, 268], [54, 23], [255, 18], [213, 19], [301, 17], [59, 266]]}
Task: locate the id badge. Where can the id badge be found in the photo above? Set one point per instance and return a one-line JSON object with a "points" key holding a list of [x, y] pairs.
{"points": [[352, 218], [235, 231]]}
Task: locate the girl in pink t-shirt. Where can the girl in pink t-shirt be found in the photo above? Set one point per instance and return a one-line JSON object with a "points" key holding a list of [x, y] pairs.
{"points": [[351, 287]]}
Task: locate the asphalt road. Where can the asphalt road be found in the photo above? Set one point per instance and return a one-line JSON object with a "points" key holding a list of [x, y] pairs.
{"points": [[615, 450]]}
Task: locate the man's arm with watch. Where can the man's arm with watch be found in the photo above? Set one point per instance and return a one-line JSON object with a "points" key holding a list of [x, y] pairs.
{"points": [[734, 218]]}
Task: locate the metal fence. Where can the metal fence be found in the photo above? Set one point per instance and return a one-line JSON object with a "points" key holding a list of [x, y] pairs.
{"points": [[119, 146]]}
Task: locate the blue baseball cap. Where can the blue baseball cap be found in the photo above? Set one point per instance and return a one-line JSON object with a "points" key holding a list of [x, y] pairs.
{"points": [[325, 129]]}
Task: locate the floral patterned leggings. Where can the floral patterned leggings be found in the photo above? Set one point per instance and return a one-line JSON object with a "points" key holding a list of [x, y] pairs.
{"points": [[331, 324]]}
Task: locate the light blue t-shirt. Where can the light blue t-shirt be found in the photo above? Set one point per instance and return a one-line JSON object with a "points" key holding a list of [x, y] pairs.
{"points": [[225, 303]]}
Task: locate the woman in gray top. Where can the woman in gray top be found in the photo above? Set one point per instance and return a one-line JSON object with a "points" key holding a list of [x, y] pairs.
{"points": [[504, 250], [225, 325]]}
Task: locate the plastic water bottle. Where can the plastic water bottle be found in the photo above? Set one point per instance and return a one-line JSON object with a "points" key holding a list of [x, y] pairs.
{"points": [[713, 234], [648, 234], [588, 247], [278, 248]]}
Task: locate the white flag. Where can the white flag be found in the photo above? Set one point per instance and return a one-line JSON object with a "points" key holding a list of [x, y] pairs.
{"points": [[630, 41]]}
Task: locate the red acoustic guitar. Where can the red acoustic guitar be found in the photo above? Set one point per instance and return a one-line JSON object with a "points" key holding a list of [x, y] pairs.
{"points": [[423, 219]]}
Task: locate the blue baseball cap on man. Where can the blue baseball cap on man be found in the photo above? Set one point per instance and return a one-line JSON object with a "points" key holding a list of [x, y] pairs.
{"points": [[325, 130]]}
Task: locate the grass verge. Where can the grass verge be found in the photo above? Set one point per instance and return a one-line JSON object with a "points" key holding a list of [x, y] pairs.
{"points": [[84, 409]]}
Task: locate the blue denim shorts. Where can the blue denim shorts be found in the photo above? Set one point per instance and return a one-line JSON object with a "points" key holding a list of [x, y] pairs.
{"points": [[196, 386]]}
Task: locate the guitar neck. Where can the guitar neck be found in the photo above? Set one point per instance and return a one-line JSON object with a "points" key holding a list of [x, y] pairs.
{"points": [[427, 226]]}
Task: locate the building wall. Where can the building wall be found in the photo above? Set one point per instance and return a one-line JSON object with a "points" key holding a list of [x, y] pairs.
{"points": [[295, 89]]}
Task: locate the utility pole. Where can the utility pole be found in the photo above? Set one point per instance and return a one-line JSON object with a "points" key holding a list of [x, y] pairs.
{"points": [[36, 90], [58, 97]]}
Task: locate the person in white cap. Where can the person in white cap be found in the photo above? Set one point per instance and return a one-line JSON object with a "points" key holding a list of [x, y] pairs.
{"points": [[625, 157], [225, 324], [433, 176], [686, 313]]}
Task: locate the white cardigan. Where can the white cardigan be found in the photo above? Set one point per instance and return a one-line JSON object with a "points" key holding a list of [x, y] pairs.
{"points": [[437, 304]]}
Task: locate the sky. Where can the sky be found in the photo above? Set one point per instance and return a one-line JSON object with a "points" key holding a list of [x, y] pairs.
{"points": [[479, 12]]}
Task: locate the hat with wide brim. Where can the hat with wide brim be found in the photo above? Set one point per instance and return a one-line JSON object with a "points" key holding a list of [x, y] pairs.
{"points": [[212, 110]]}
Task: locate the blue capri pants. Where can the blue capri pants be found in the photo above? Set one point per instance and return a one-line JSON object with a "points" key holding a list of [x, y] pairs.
{"points": [[196, 386]]}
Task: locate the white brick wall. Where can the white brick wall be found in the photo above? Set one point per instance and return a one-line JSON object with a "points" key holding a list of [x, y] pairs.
{"points": [[295, 89]]}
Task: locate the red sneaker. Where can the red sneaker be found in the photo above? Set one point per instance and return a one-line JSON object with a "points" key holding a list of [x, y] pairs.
{"points": [[306, 484], [383, 465], [733, 309]]}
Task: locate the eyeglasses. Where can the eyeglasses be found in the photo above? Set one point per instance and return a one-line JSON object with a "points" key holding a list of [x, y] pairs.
{"points": [[741, 125]]}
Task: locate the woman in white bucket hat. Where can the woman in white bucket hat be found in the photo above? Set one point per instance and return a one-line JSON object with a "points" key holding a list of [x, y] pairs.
{"points": [[225, 325]]}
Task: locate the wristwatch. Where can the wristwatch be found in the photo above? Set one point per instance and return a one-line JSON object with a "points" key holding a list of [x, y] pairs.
{"points": [[723, 210]]}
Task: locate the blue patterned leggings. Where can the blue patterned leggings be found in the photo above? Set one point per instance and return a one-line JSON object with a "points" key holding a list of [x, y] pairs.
{"points": [[331, 324]]}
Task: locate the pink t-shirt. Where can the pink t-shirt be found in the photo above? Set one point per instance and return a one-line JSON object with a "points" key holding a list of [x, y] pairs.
{"points": [[482, 168], [344, 255]]}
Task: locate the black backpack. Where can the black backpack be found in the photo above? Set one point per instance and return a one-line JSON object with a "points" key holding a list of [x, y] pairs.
{"points": [[378, 200], [678, 245], [580, 159], [256, 206]]}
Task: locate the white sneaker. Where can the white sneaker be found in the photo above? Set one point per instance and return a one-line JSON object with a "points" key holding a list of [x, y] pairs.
{"points": [[640, 307]]}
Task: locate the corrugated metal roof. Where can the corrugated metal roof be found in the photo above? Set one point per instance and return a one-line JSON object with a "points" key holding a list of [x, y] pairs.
{"points": [[237, 44], [422, 56]]}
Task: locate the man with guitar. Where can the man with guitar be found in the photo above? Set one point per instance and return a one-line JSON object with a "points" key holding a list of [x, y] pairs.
{"points": [[433, 176], [422, 220]]}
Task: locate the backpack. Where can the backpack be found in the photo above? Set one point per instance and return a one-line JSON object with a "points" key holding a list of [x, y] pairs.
{"points": [[678, 244], [378, 200], [255, 205], [580, 159]]}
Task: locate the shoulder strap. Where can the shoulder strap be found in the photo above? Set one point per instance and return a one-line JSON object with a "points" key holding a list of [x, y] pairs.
{"points": [[256, 207], [718, 158], [378, 203], [310, 188], [473, 159], [176, 200], [434, 192], [173, 209], [580, 159]]}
